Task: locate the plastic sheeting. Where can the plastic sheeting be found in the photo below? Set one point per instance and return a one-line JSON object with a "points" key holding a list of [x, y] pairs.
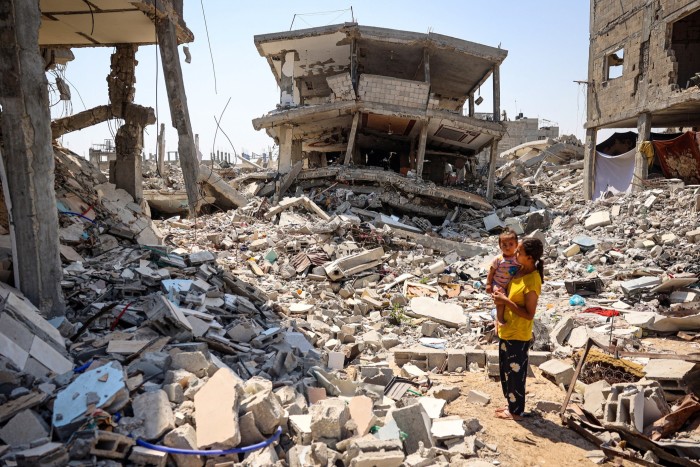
{"points": [[613, 173]]}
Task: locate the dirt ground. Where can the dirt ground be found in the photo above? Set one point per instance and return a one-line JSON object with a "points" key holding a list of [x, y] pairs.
{"points": [[555, 445]]}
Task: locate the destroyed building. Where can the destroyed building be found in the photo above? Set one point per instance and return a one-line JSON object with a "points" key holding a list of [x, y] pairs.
{"points": [[643, 72], [363, 96]]}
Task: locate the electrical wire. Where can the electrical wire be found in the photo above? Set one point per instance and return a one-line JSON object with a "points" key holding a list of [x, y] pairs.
{"points": [[211, 54]]}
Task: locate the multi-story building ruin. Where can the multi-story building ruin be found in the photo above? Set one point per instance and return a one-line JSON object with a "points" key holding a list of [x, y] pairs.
{"points": [[367, 96], [643, 71]]}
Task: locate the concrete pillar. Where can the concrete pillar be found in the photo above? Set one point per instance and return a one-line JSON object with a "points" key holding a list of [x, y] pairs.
{"points": [[160, 152], [491, 182], [422, 142], [127, 167], [351, 138], [412, 154], [353, 64], [471, 104], [641, 165], [285, 142], [496, 93], [589, 156], [426, 64], [179, 112], [297, 153], [129, 138], [287, 80], [27, 160]]}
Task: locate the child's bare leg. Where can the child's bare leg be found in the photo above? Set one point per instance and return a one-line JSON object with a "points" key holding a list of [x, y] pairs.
{"points": [[500, 313], [500, 309]]}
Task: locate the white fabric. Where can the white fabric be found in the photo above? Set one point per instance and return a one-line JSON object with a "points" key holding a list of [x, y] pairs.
{"points": [[613, 173]]}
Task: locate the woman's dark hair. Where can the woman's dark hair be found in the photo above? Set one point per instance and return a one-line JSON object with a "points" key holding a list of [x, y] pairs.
{"points": [[534, 249]]}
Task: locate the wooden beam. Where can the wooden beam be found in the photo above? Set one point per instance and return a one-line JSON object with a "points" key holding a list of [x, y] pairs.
{"points": [[179, 112]]}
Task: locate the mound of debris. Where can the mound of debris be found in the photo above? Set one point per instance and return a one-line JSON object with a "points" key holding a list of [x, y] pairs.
{"points": [[315, 331]]}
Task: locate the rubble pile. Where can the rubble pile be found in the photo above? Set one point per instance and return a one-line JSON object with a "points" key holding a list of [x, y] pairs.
{"points": [[317, 329]]}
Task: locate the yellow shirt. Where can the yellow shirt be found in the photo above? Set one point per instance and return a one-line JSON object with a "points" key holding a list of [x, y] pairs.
{"points": [[516, 327]]}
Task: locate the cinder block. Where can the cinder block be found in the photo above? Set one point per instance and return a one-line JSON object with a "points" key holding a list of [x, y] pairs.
{"points": [[491, 356], [456, 358], [537, 358], [561, 372], [476, 356], [110, 445]]}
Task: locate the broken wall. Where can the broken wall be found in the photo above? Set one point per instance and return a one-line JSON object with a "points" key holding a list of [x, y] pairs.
{"points": [[648, 77], [393, 91]]}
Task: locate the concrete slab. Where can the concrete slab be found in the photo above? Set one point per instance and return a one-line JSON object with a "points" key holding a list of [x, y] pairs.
{"points": [[433, 406], [446, 428], [598, 219], [23, 428], [449, 314], [155, 411], [415, 421], [103, 387], [216, 412]]}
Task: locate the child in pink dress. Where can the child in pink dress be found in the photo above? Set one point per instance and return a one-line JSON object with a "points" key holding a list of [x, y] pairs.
{"points": [[503, 268]]}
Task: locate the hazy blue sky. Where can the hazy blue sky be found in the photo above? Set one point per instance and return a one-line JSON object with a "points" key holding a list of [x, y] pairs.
{"points": [[547, 43]]}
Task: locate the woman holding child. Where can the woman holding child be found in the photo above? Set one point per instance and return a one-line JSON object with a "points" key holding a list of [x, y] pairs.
{"points": [[518, 300]]}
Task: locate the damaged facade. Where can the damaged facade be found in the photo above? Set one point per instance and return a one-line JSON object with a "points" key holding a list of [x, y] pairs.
{"points": [[364, 96], [643, 72]]}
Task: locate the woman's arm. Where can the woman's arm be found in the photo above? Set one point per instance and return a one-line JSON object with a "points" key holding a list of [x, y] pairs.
{"points": [[527, 311]]}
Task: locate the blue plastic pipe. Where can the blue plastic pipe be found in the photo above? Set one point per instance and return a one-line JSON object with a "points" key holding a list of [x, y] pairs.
{"points": [[216, 452]]}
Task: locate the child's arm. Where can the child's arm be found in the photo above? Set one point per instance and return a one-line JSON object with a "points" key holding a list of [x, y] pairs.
{"points": [[489, 278], [492, 272]]}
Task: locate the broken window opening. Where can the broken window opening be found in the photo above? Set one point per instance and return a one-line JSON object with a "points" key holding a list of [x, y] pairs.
{"points": [[614, 64], [685, 42]]}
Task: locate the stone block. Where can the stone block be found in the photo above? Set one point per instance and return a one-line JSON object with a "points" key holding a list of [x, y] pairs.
{"points": [[250, 434], [433, 406], [598, 219], [447, 393], [446, 428], [561, 372], [478, 397], [148, 457], [415, 421], [195, 362], [155, 411], [538, 357], [328, 419], [492, 356], [216, 412], [184, 437], [266, 409], [548, 406], [572, 250], [456, 358], [594, 397], [23, 428], [561, 330], [477, 356]]}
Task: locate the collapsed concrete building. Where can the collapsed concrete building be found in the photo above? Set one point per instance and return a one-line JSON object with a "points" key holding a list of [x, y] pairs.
{"points": [[643, 72], [362, 96], [38, 36]]}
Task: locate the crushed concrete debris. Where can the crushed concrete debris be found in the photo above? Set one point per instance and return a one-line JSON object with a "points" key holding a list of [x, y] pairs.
{"points": [[326, 317]]}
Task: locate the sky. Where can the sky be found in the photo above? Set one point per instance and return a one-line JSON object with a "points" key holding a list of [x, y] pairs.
{"points": [[546, 40]]}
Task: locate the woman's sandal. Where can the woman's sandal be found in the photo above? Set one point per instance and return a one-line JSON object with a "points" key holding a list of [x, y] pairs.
{"points": [[505, 415]]}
